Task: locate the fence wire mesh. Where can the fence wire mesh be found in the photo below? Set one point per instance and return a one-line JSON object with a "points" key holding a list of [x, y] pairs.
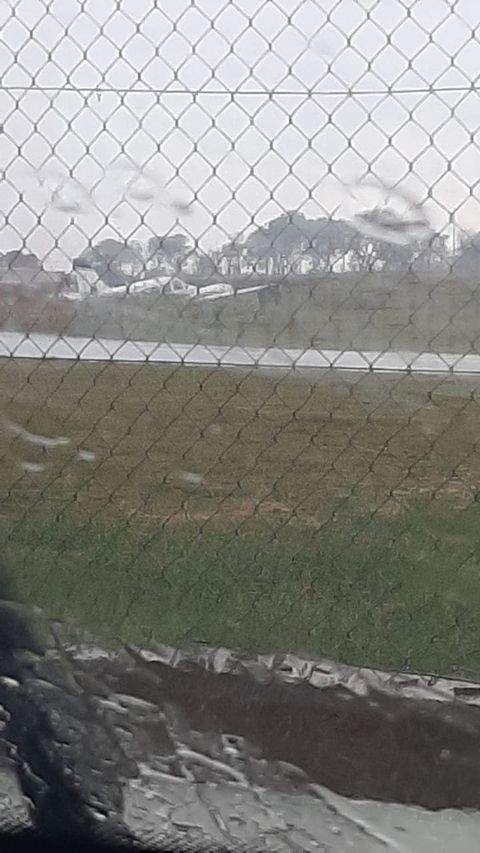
{"points": [[239, 311]]}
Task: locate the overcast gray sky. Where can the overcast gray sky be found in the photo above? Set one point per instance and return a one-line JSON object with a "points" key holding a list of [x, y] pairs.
{"points": [[153, 102]]}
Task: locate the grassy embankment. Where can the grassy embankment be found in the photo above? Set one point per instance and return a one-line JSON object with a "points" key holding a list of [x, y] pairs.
{"points": [[335, 514]]}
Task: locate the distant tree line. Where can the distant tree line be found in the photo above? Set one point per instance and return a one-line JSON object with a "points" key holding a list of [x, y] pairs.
{"points": [[289, 244], [117, 262]]}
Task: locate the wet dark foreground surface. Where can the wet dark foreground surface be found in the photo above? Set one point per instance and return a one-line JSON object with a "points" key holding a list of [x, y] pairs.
{"points": [[216, 747]]}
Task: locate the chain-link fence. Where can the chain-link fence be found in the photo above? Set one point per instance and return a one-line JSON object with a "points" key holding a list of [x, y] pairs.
{"points": [[239, 311]]}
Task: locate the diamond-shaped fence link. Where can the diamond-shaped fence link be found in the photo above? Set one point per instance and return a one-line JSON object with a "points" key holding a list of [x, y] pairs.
{"points": [[240, 322]]}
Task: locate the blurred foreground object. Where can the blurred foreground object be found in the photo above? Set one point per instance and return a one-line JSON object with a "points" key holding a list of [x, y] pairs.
{"points": [[207, 748]]}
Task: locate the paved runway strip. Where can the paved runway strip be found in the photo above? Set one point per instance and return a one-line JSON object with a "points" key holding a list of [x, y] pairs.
{"points": [[77, 348]]}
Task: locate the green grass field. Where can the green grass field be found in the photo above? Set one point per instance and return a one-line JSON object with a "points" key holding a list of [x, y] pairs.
{"points": [[333, 514]]}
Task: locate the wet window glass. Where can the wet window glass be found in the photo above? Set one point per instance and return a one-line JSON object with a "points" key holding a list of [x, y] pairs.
{"points": [[239, 422]]}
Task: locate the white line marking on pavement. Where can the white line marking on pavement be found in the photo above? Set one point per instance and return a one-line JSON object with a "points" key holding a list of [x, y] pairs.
{"points": [[77, 348]]}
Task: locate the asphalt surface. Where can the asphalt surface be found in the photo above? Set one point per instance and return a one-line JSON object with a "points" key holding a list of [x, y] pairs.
{"points": [[70, 347]]}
